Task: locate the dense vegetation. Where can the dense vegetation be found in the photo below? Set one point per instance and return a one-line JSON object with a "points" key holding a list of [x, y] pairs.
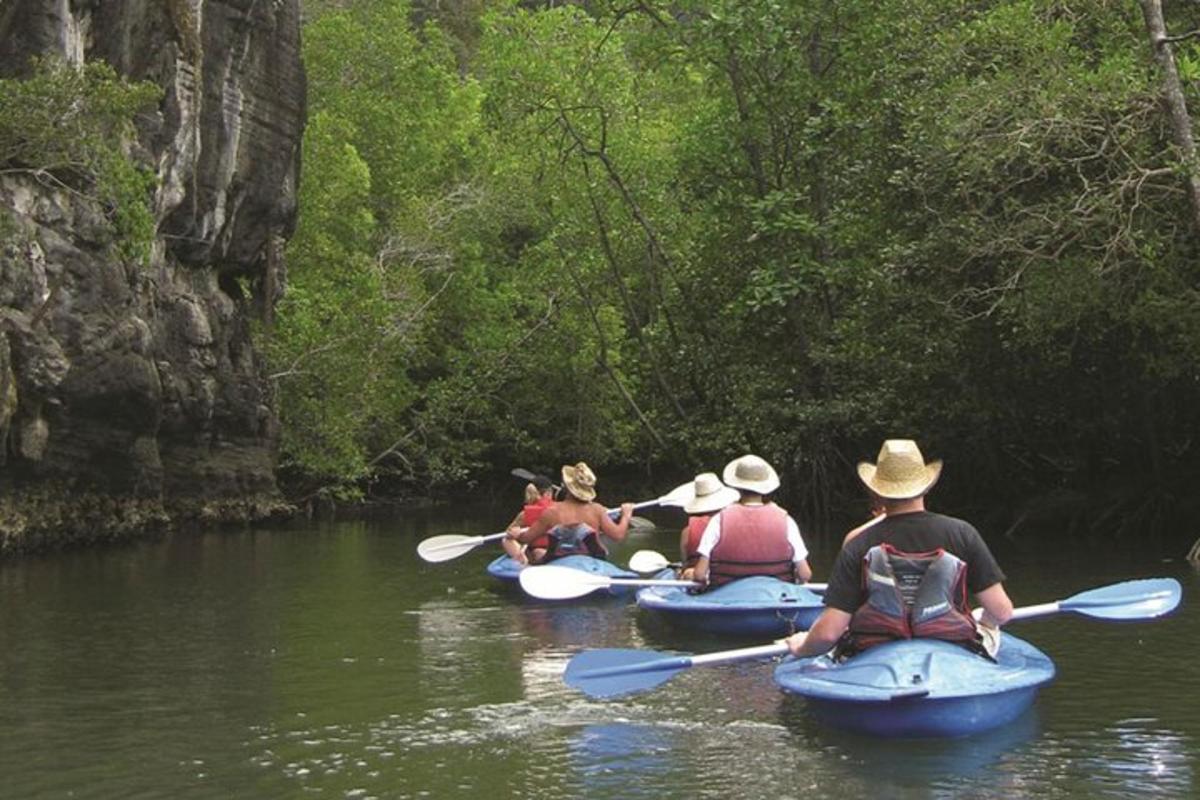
{"points": [[663, 233], [68, 128]]}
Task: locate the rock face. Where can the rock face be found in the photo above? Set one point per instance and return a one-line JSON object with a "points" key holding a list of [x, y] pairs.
{"points": [[135, 398]]}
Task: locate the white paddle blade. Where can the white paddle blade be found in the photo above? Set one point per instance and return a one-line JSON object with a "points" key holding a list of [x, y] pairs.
{"points": [[648, 561], [549, 582], [678, 497], [641, 524], [449, 546]]}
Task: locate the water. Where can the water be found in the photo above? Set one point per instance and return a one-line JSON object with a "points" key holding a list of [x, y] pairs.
{"points": [[328, 661]]}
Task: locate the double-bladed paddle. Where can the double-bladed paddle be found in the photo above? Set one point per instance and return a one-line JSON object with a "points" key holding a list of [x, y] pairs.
{"points": [[611, 673], [526, 475], [452, 545], [551, 582]]}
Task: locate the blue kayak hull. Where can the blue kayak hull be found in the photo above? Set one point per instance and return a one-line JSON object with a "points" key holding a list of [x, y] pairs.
{"points": [[509, 571], [920, 688], [758, 606]]}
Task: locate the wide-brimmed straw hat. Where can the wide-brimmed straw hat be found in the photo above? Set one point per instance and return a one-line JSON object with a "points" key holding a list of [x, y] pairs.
{"points": [[752, 474], [709, 495], [901, 472], [580, 481]]}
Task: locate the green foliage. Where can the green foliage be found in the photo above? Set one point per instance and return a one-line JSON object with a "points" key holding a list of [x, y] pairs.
{"points": [[669, 232], [71, 125]]}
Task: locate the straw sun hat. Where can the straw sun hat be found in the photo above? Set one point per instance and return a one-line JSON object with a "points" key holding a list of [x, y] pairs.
{"points": [[709, 495], [580, 481], [901, 472], [752, 474]]}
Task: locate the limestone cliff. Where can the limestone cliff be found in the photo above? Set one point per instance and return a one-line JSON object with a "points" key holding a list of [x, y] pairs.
{"points": [[135, 397]]}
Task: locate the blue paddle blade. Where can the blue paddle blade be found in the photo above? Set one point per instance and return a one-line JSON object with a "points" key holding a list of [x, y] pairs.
{"points": [[1131, 600], [614, 672]]}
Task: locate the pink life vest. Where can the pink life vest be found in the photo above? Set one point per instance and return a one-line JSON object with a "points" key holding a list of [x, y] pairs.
{"points": [[695, 531], [911, 596], [753, 542]]}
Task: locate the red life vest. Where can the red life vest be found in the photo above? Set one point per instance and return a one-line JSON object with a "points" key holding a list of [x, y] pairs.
{"points": [[530, 514], [695, 531], [753, 542], [911, 596]]}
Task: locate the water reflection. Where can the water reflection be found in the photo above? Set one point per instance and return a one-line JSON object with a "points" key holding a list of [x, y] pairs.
{"points": [[943, 763], [331, 661], [621, 759], [1134, 757]]}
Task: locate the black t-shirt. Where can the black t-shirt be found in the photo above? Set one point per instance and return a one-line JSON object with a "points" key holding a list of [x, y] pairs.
{"points": [[916, 532]]}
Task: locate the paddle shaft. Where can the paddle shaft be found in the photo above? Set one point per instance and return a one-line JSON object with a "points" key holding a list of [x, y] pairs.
{"points": [[683, 662], [604, 580], [647, 582], [1040, 610], [478, 540]]}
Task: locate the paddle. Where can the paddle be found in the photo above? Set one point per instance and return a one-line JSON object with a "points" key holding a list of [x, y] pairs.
{"points": [[635, 523], [526, 475], [452, 545], [1130, 600], [649, 561], [610, 673], [551, 582], [449, 546]]}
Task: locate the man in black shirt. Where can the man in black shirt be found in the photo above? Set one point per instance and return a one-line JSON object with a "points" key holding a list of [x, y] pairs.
{"points": [[900, 481]]}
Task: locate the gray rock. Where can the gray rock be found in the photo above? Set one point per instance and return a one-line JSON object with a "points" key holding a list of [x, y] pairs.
{"points": [[131, 396]]}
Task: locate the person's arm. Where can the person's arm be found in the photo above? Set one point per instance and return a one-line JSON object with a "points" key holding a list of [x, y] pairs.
{"points": [[683, 545], [800, 567], [544, 523], [614, 530], [708, 540], [822, 636], [997, 607], [517, 523], [997, 610]]}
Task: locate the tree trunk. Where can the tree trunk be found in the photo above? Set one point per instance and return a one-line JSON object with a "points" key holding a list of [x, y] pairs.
{"points": [[1181, 123]]}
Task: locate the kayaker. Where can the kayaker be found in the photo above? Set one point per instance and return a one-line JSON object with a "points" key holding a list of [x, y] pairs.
{"points": [[573, 524], [877, 579], [709, 496], [539, 496], [753, 536]]}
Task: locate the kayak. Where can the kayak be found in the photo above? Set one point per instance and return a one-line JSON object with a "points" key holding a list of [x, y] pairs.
{"points": [[919, 687], [509, 571], [755, 606]]}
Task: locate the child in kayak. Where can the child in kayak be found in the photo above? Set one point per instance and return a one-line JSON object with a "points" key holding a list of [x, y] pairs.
{"points": [[539, 496]]}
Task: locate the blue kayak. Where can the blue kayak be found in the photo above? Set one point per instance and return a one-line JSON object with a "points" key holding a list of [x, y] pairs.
{"points": [[758, 606], [509, 571], [919, 687]]}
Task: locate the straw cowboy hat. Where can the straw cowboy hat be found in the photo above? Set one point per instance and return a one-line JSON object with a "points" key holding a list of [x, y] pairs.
{"points": [[580, 481], [709, 495], [901, 473], [752, 474]]}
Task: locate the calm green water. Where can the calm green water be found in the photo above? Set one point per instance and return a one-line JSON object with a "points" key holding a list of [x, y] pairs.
{"points": [[329, 661]]}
